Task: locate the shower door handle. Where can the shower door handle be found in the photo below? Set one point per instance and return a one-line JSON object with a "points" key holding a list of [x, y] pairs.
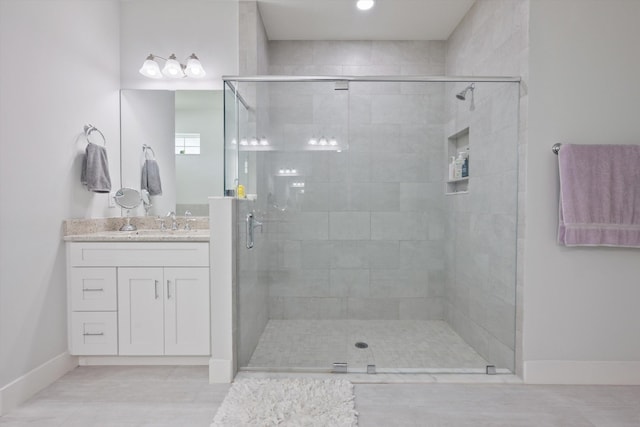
{"points": [[252, 223]]}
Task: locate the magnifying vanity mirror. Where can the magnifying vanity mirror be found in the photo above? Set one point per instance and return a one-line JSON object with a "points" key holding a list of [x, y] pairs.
{"points": [[183, 131], [128, 198]]}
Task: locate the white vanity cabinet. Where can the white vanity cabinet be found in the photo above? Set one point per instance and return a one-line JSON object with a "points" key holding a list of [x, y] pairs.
{"points": [[138, 298], [163, 311]]}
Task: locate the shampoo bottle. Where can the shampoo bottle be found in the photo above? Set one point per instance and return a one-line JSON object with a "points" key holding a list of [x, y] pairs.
{"points": [[465, 163], [452, 166], [458, 167]]}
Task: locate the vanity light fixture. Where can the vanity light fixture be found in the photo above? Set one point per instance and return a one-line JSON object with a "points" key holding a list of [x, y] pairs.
{"points": [[323, 143], [287, 171], [253, 141], [365, 4], [172, 69]]}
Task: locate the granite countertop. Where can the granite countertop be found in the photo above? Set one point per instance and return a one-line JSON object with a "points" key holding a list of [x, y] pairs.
{"points": [[141, 236], [106, 230]]}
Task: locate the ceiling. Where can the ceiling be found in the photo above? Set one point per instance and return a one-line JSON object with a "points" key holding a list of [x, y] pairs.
{"points": [[341, 20]]}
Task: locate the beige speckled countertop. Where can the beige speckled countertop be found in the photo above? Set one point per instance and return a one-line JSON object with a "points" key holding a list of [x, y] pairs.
{"points": [[106, 230]]}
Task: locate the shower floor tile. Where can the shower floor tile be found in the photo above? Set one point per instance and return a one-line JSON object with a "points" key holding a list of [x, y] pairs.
{"points": [[392, 344]]}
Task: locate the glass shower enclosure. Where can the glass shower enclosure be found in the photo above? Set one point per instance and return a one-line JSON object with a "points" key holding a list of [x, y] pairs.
{"points": [[376, 222]]}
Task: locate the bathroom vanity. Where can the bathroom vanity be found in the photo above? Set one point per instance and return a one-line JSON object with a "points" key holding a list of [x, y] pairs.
{"points": [[138, 293]]}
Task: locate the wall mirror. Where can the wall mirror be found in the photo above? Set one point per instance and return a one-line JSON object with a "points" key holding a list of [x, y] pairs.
{"points": [[182, 132]]}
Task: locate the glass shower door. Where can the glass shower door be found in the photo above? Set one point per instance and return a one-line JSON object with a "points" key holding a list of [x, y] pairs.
{"points": [[356, 249], [296, 140]]}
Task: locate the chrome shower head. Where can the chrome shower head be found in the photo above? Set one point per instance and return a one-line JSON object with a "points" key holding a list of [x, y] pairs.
{"points": [[463, 95]]}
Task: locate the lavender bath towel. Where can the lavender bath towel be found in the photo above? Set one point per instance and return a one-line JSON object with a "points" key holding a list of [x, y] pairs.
{"points": [[599, 195]]}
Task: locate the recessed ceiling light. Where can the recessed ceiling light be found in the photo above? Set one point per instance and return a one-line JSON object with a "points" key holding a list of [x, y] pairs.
{"points": [[365, 4]]}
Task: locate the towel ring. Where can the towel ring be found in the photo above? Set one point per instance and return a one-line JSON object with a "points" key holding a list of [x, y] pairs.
{"points": [[146, 147], [88, 129]]}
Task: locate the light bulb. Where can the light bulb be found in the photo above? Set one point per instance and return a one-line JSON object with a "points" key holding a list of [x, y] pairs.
{"points": [[333, 142], [287, 171], [244, 142], [150, 68], [281, 171], [365, 4], [254, 141], [293, 171], [194, 67], [172, 68], [234, 142], [264, 141], [313, 141], [323, 141]]}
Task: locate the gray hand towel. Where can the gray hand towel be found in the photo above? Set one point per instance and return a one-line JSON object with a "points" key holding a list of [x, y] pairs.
{"points": [[151, 178], [95, 169]]}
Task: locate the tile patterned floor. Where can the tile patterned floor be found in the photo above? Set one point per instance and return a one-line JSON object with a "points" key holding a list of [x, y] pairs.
{"points": [[412, 345], [169, 396]]}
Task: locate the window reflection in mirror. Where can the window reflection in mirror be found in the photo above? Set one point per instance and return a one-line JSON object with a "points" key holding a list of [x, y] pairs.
{"points": [[190, 166]]}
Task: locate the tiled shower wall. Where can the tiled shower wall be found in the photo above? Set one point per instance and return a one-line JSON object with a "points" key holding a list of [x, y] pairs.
{"points": [[492, 39], [364, 240], [481, 224]]}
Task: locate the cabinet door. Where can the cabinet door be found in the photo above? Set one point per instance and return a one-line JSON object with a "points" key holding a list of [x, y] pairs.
{"points": [[186, 311], [140, 311]]}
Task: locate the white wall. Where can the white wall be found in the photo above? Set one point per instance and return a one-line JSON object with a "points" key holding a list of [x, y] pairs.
{"points": [[42, 111], [162, 27], [580, 304]]}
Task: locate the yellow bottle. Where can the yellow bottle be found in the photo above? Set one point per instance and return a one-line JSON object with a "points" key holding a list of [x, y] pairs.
{"points": [[240, 193]]}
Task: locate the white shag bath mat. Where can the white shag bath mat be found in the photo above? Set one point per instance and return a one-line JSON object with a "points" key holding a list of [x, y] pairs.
{"points": [[288, 402]]}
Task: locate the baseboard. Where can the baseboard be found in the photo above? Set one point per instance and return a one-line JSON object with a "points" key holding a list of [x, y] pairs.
{"points": [[220, 371], [581, 372], [143, 360], [22, 388]]}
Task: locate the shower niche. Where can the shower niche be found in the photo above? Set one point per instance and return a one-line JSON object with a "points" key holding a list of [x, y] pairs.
{"points": [[456, 144]]}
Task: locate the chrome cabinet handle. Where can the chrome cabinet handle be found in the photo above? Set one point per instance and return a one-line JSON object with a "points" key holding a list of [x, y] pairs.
{"points": [[168, 290], [92, 289], [93, 334], [156, 289]]}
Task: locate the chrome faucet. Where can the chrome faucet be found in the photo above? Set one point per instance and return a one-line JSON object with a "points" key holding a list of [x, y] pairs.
{"points": [[187, 219], [174, 222]]}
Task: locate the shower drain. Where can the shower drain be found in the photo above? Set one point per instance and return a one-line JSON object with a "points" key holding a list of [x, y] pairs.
{"points": [[360, 344]]}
